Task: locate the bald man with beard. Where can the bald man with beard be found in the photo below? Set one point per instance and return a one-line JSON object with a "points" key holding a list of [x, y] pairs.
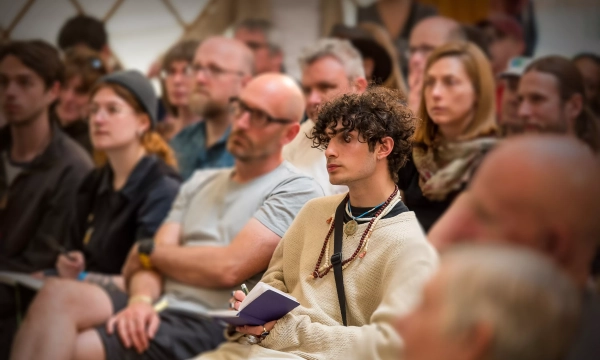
{"points": [[221, 232], [428, 34], [540, 192]]}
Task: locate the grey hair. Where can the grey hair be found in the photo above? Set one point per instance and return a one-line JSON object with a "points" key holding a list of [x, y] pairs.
{"points": [[531, 305], [266, 27], [341, 50]]}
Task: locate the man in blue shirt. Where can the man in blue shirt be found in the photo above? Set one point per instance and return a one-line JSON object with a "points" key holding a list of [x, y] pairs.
{"points": [[221, 67]]}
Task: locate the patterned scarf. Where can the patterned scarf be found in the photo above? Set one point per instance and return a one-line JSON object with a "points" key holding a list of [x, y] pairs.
{"points": [[448, 166]]}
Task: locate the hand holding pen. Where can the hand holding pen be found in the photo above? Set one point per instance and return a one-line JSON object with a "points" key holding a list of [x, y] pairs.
{"points": [[237, 297]]}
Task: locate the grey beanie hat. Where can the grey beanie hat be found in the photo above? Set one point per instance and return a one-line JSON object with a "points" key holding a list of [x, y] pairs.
{"points": [[140, 87]]}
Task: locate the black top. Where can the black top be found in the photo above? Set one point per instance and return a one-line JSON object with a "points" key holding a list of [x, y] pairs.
{"points": [[36, 208], [427, 211], [109, 222], [398, 209]]}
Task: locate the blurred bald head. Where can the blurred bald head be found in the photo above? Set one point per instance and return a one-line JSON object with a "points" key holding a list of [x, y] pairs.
{"points": [[538, 191]]}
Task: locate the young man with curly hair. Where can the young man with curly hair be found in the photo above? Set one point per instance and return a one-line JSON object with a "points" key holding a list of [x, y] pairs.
{"points": [[385, 257]]}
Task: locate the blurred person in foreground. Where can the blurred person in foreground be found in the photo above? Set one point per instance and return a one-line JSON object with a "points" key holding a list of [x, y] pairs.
{"points": [[221, 232], [456, 130], [541, 192], [552, 99], [492, 302], [177, 83], [384, 259], [330, 68], [221, 68], [83, 67]]}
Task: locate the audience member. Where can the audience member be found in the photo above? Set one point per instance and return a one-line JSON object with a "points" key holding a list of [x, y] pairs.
{"points": [[202, 249], [126, 199], [366, 138], [262, 38], [377, 51], [509, 199], [457, 128], [477, 37], [41, 166], [426, 36], [505, 37], [509, 119], [40, 170], [493, 302], [589, 66], [87, 31], [330, 67], [177, 84], [221, 67], [398, 17], [83, 67], [552, 99]]}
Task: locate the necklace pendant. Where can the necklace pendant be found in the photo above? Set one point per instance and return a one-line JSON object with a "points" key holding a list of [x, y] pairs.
{"points": [[350, 227]]}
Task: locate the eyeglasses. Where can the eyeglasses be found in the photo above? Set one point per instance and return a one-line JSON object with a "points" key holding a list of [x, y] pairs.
{"points": [[254, 45], [213, 71], [258, 118], [425, 50]]}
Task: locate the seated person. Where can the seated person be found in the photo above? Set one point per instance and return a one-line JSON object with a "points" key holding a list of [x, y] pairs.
{"points": [[127, 199], [221, 231], [492, 302], [386, 258], [221, 68], [177, 82], [508, 199], [40, 171], [458, 127], [83, 67]]}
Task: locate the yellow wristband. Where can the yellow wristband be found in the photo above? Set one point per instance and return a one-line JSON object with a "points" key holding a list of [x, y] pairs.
{"points": [[140, 299], [145, 261]]}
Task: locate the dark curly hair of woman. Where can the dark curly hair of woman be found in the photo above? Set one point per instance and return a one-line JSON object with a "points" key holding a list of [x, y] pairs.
{"points": [[377, 113]]}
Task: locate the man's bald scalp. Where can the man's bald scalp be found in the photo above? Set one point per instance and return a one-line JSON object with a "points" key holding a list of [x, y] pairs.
{"points": [[443, 24], [243, 52]]}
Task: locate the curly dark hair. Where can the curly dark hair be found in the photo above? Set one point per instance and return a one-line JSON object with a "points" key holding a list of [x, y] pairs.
{"points": [[377, 113]]}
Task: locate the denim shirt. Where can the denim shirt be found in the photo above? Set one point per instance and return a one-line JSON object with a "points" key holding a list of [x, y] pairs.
{"points": [[190, 148]]}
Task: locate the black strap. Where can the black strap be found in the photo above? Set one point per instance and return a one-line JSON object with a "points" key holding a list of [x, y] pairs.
{"points": [[336, 258]]}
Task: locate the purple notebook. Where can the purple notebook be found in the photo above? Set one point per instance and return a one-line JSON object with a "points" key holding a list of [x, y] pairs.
{"points": [[263, 304]]}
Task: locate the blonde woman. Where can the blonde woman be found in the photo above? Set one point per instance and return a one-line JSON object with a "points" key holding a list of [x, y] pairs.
{"points": [[457, 128]]}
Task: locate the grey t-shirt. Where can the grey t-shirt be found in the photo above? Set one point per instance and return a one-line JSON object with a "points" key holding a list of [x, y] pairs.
{"points": [[212, 209]]}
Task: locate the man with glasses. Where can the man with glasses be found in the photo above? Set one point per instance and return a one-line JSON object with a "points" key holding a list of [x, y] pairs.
{"points": [[221, 68], [262, 38], [221, 232], [427, 35]]}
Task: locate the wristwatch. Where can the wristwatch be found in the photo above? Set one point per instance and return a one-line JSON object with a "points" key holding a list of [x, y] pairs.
{"points": [[253, 339], [145, 249]]}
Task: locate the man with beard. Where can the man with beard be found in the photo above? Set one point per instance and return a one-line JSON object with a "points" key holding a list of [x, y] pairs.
{"points": [[221, 67], [552, 99], [221, 232]]}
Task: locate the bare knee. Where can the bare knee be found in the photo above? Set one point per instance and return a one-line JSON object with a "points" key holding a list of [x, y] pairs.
{"points": [[89, 346]]}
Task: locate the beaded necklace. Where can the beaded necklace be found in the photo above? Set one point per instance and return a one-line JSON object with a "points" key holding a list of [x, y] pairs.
{"points": [[321, 271]]}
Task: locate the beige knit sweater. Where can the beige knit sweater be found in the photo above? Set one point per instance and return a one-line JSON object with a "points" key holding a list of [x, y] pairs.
{"points": [[381, 286]]}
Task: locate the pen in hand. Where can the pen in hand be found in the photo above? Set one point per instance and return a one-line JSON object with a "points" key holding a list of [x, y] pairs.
{"points": [[245, 289]]}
